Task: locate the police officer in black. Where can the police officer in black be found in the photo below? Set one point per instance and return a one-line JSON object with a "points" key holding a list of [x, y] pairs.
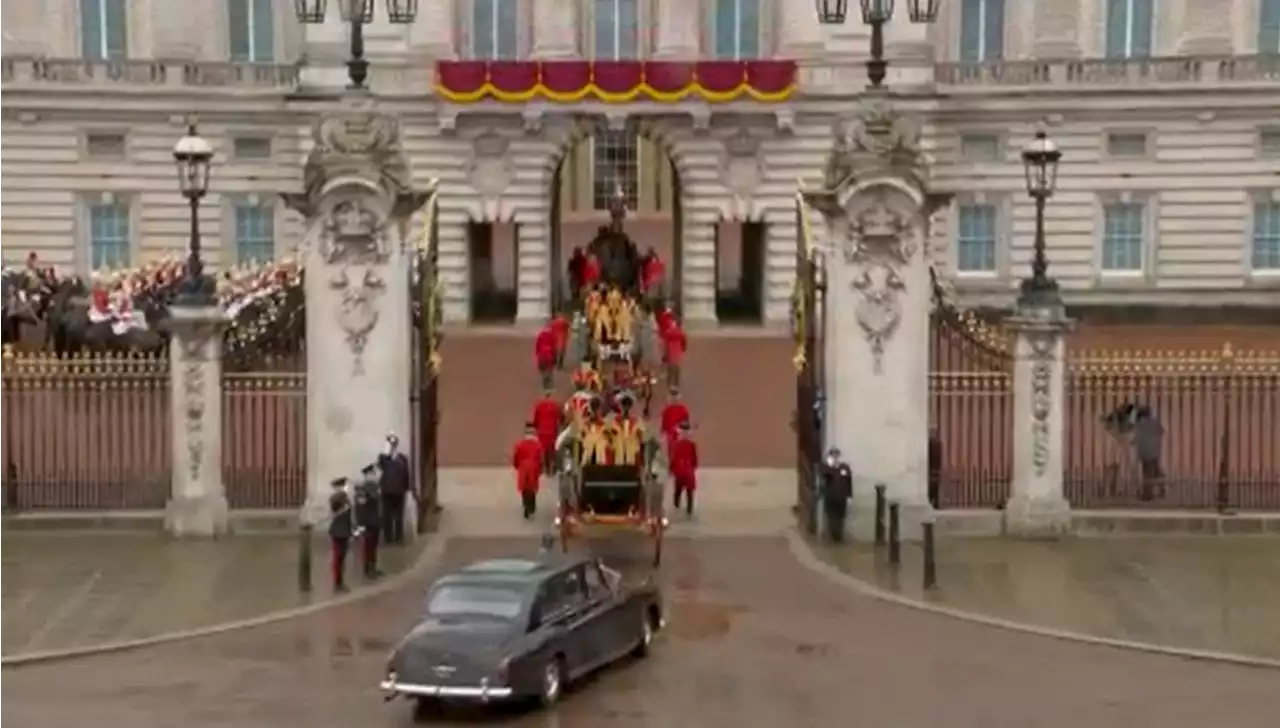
{"points": [[341, 531], [837, 489], [394, 484], [369, 520]]}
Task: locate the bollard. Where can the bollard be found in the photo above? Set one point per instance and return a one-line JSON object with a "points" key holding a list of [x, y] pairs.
{"points": [[930, 566], [895, 545], [304, 559], [880, 514]]}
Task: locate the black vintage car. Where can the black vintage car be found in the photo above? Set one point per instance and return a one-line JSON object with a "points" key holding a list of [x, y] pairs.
{"points": [[520, 628]]}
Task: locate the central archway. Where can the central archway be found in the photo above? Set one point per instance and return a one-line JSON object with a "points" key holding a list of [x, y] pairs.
{"points": [[593, 162]]}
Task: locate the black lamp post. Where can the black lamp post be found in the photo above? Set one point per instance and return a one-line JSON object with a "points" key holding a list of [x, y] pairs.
{"points": [[876, 13], [358, 13], [1040, 161], [192, 155]]}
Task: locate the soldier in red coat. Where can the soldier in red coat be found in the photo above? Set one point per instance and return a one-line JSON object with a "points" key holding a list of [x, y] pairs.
{"points": [[547, 419], [545, 354], [590, 271], [527, 461], [684, 468], [674, 414], [560, 327], [652, 271], [674, 344]]}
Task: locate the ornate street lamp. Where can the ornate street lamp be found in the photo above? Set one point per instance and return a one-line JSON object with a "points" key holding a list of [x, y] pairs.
{"points": [[1040, 161], [357, 13], [192, 156], [876, 13]]}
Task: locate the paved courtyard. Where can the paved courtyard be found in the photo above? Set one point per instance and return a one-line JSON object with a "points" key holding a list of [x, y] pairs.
{"points": [[754, 640], [65, 590], [1205, 593]]}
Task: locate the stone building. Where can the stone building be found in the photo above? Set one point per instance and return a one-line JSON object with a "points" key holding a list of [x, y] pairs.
{"points": [[1166, 111]]}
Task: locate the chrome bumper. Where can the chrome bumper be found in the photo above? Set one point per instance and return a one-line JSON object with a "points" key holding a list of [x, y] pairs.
{"points": [[483, 693]]}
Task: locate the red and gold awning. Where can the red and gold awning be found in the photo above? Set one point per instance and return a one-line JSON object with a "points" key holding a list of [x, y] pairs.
{"points": [[615, 82]]}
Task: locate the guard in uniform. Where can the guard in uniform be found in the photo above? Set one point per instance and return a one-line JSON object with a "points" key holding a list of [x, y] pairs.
{"points": [[395, 485], [341, 530], [837, 489], [369, 520]]}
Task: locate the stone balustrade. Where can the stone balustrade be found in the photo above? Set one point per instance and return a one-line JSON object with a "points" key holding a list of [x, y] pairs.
{"points": [[18, 72], [1070, 75]]}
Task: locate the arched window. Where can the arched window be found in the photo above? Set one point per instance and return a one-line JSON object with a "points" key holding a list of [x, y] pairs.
{"points": [[495, 30], [735, 29], [616, 30]]}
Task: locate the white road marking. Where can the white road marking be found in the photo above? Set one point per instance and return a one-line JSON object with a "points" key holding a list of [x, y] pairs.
{"points": [[65, 609]]}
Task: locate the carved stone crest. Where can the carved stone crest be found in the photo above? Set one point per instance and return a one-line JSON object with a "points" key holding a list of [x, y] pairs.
{"points": [[357, 311], [1042, 345], [880, 244], [743, 167], [352, 234], [491, 169], [354, 144]]}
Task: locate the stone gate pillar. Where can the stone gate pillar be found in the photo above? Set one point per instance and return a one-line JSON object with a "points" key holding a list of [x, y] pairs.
{"points": [[876, 206], [357, 202], [197, 503], [1037, 506]]}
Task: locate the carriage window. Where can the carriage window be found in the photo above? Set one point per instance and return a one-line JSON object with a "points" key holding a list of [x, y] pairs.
{"points": [[597, 587]]}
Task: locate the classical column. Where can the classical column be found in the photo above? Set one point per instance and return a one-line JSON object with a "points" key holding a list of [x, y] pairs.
{"points": [[357, 203], [1036, 504], [801, 34], [197, 501], [555, 29], [877, 311], [678, 27]]}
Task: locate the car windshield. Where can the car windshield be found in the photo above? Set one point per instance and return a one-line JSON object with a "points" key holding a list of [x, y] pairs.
{"points": [[475, 600]]}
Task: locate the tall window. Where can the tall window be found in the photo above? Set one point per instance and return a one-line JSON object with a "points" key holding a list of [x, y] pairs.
{"points": [[982, 30], [1122, 237], [109, 245], [1269, 26], [495, 29], [976, 239], [252, 30], [255, 228], [735, 28], [1129, 28], [104, 29], [615, 161], [1266, 235], [617, 29]]}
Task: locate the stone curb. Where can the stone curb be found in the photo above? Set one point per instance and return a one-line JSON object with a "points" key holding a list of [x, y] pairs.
{"points": [[427, 558], [807, 558]]}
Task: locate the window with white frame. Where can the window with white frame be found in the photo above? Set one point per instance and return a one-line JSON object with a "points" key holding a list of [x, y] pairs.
{"points": [[615, 162], [1269, 142], [255, 229], [982, 30], [251, 27], [495, 29], [976, 227], [1129, 28], [104, 30], [735, 29], [1127, 145], [1266, 235], [1123, 236], [1269, 26], [616, 31], [109, 241]]}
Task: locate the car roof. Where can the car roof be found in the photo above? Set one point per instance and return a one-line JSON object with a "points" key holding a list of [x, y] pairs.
{"points": [[514, 571]]}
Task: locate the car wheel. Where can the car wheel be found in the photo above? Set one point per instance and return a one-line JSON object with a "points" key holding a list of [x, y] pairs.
{"points": [[552, 682], [425, 709], [646, 636]]}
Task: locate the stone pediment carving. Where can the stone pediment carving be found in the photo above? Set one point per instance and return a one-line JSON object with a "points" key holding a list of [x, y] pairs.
{"points": [[743, 167], [353, 144]]}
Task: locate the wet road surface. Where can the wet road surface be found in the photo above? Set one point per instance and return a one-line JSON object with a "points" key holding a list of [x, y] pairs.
{"points": [[754, 640]]}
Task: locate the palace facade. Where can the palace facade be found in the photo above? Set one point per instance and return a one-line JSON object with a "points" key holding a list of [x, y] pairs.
{"points": [[1166, 112]]}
